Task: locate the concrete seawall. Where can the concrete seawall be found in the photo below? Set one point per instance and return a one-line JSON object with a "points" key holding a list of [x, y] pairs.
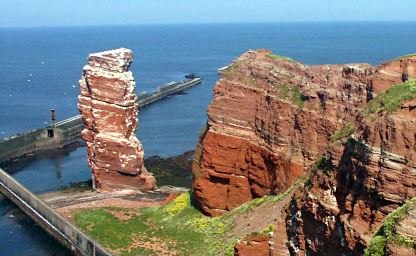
{"points": [[63, 231], [69, 130], [62, 134], [146, 99]]}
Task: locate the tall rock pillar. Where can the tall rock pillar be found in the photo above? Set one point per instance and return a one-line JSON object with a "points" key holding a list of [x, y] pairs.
{"points": [[107, 103]]}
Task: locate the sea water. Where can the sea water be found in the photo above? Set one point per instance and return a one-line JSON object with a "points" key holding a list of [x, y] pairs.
{"points": [[40, 69]]}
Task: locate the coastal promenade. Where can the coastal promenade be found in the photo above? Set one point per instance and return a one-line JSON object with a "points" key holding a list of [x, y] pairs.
{"points": [[68, 131]]}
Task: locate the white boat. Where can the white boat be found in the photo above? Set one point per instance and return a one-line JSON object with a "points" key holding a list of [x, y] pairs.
{"points": [[220, 70]]}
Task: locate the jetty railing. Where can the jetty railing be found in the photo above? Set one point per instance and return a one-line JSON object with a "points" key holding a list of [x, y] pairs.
{"points": [[54, 224]]}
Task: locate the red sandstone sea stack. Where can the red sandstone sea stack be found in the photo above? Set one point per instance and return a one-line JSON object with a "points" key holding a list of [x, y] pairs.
{"points": [[107, 103]]}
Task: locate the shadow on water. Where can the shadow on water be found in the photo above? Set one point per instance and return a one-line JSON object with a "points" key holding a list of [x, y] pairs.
{"points": [[15, 165]]}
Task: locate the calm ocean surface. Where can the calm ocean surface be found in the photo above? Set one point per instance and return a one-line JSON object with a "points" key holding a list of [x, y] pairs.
{"points": [[40, 69]]}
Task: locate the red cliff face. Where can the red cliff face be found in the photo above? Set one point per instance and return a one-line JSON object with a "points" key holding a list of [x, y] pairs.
{"points": [[394, 72], [273, 120], [254, 245], [370, 176], [269, 119], [108, 107]]}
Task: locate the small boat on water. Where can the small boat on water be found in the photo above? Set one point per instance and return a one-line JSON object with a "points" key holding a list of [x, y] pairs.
{"points": [[191, 76], [220, 70]]}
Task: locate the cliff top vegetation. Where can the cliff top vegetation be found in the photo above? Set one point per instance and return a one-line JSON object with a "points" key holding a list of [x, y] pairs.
{"points": [[178, 227], [406, 56], [392, 99]]}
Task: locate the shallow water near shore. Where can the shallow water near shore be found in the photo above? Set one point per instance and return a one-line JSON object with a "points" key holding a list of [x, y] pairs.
{"points": [[41, 68]]}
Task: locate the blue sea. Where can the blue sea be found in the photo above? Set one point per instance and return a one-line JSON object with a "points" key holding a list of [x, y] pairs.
{"points": [[40, 69]]}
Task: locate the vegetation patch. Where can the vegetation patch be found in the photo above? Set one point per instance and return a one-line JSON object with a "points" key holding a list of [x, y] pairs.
{"points": [[297, 97], [324, 164], [279, 57], [178, 228], [268, 229], [294, 94], [283, 91], [203, 132], [265, 199], [344, 133], [386, 233], [234, 73], [406, 56], [231, 71], [308, 183], [184, 230], [391, 99]]}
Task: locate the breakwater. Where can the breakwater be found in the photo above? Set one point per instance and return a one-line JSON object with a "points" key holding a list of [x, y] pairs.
{"points": [[54, 224], [163, 91], [69, 130], [51, 137]]}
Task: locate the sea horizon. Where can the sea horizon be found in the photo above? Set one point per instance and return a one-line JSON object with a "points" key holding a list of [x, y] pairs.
{"points": [[216, 23]]}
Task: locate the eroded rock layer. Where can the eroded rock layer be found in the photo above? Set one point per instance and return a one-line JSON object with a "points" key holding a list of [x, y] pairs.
{"points": [[107, 103], [273, 120]]}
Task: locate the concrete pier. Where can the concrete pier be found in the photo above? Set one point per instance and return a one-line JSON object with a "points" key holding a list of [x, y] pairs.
{"points": [[54, 224], [51, 137], [162, 92]]}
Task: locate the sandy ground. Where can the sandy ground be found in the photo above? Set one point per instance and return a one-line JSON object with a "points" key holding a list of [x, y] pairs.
{"points": [[65, 203]]}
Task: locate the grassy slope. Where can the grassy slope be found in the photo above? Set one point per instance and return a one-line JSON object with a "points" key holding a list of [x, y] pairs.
{"points": [[386, 233], [344, 133], [279, 57], [391, 99], [406, 56], [179, 226]]}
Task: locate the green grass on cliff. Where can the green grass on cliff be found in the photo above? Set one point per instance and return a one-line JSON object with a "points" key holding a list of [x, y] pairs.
{"points": [[231, 71], [293, 93], [297, 97], [406, 56], [386, 233], [234, 73], [344, 133], [279, 57], [391, 99], [176, 227]]}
